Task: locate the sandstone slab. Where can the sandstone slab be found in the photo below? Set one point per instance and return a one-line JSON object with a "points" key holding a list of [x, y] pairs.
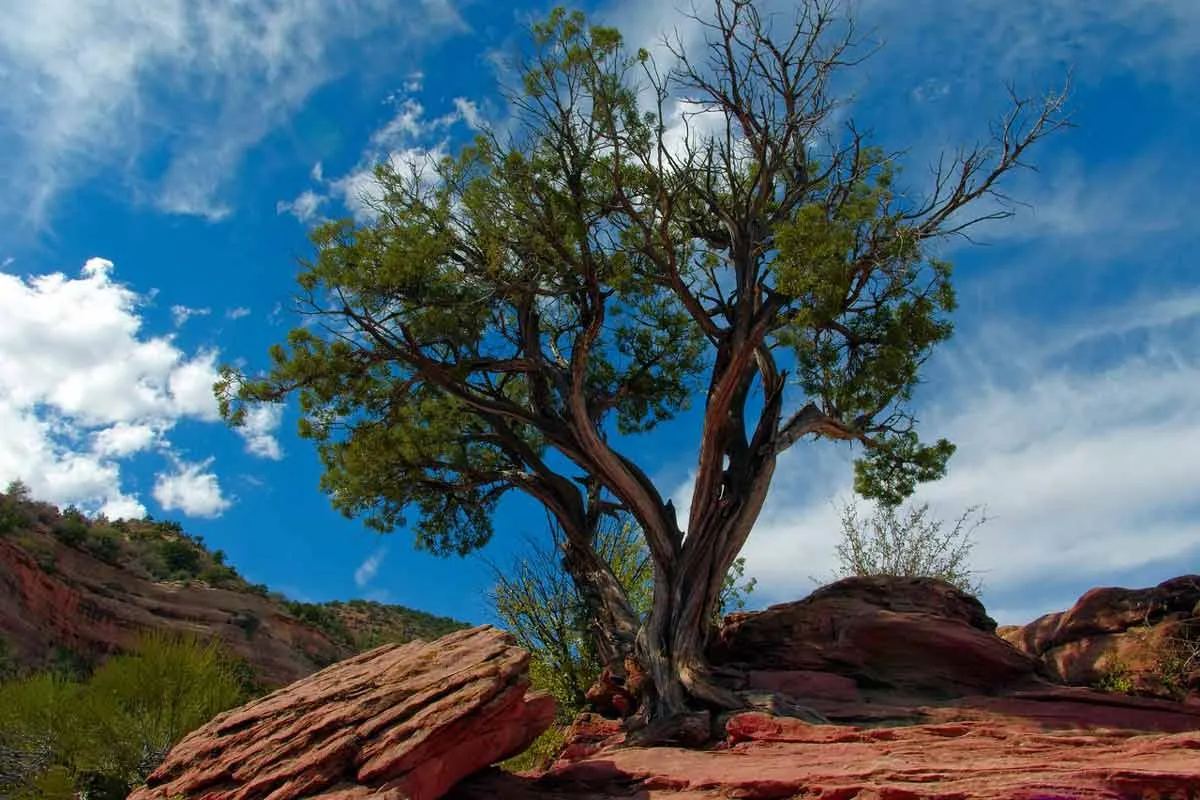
{"points": [[1060, 744], [398, 722]]}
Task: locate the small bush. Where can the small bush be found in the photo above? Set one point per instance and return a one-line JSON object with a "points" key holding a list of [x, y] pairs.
{"points": [[71, 528], [180, 557], [105, 544], [14, 514], [912, 546], [540, 755], [220, 576]]}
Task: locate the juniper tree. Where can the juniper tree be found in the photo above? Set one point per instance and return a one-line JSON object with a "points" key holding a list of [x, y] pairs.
{"points": [[513, 323]]}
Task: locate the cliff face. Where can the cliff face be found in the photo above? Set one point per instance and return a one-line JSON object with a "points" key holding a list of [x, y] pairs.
{"points": [[59, 597]]}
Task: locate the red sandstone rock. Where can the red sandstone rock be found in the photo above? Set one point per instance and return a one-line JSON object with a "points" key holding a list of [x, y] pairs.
{"points": [[1107, 628], [401, 722], [97, 608], [1063, 743], [916, 635], [921, 700]]}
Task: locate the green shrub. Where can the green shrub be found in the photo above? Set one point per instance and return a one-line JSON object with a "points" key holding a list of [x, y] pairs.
{"points": [[220, 576], [105, 544], [72, 527], [60, 738], [540, 755], [180, 556], [1116, 679], [14, 514]]}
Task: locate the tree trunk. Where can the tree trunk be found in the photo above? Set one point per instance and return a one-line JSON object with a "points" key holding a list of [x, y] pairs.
{"points": [[615, 626]]}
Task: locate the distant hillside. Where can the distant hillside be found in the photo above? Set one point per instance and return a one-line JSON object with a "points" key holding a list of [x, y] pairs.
{"points": [[74, 590]]}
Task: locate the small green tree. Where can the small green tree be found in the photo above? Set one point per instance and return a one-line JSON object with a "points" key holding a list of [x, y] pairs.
{"points": [[909, 544]]}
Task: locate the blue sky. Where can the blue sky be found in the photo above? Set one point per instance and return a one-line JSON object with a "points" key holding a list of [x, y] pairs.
{"points": [[163, 159]]}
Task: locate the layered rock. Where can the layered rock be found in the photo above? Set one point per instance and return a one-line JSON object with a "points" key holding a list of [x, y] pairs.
{"points": [[96, 608], [1149, 637], [919, 699], [401, 721], [918, 636], [1056, 745]]}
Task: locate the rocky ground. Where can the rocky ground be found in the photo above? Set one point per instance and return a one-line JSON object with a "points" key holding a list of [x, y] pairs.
{"points": [[871, 689]]}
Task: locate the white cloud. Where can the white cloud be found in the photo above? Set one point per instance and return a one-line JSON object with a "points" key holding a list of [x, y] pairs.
{"points": [[1087, 470], [237, 313], [408, 142], [367, 569], [94, 85], [259, 431], [468, 110], [83, 387], [181, 314], [123, 439], [191, 489], [306, 206]]}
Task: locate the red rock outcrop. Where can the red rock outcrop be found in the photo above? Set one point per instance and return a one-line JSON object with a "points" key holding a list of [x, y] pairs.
{"points": [[97, 608], [918, 636], [1151, 636], [919, 699], [401, 721]]}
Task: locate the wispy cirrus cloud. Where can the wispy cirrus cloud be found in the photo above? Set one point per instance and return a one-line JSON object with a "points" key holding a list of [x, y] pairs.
{"points": [[369, 567], [94, 87]]}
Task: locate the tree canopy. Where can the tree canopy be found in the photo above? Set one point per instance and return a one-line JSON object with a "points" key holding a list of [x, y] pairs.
{"points": [[515, 314]]}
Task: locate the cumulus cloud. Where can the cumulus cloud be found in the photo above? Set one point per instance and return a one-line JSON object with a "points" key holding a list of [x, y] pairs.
{"points": [[192, 489], [83, 388], [237, 313], [306, 206], [92, 85], [259, 431], [369, 568]]}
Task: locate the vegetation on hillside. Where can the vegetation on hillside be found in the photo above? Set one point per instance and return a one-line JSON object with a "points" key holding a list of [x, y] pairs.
{"points": [[160, 550], [515, 314], [99, 738]]}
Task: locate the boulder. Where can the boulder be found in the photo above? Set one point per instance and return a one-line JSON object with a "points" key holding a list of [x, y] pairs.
{"points": [[401, 721], [1150, 638], [875, 634]]}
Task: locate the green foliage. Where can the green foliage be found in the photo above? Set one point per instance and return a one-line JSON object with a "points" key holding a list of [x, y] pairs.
{"points": [[105, 544], [912, 546], [71, 664], [538, 602], [180, 556], [322, 617], [221, 577], [72, 528], [544, 751], [509, 317], [1116, 679], [15, 514], [59, 737]]}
